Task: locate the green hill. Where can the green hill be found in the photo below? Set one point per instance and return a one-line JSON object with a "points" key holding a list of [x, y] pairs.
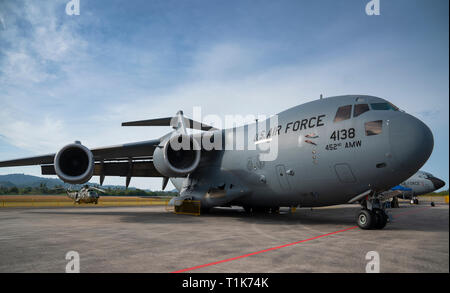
{"points": [[6, 184], [27, 184], [22, 180]]}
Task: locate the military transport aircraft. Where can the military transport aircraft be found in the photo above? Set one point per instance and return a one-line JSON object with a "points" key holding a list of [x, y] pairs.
{"points": [[330, 151], [418, 184]]}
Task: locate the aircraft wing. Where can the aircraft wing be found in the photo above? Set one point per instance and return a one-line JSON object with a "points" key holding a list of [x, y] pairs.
{"points": [[39, 160], [127, 160], [142, 149]]}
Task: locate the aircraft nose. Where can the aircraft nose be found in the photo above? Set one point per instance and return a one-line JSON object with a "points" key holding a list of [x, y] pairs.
{"points": [[411, 143], [438, 183]]}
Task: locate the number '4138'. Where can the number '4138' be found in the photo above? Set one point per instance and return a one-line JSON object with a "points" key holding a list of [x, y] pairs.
{"points": [[343, 134]]}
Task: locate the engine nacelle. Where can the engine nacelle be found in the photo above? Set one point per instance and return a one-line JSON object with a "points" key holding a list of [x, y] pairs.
{"points": [[74, 164], [179, 156]]}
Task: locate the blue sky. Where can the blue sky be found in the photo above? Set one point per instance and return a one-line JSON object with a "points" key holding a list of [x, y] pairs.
{"points": [[65, 77]]}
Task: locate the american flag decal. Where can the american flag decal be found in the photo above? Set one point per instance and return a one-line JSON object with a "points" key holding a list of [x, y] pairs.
{"points": [[308, 141]]}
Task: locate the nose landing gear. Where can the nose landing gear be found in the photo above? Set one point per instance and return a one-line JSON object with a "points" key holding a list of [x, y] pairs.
{"points": [[372, 214]]}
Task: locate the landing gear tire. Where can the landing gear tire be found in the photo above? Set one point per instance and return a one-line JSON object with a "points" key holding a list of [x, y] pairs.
{"points": [[381, 219], [416, 201], [247, 209], [365, 219]]}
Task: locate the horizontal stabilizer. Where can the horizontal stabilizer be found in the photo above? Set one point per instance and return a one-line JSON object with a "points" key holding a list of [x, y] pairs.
{"points": [[150, 122], [170, 121]]}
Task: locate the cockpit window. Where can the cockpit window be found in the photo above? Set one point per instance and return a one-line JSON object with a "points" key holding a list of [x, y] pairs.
{"points": [[359, 109], [383, 106], [426, 175], [373, 127], [343, 113], [394, 107]]}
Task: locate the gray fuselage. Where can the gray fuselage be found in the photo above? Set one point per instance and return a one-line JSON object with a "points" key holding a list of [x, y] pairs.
{"points": [[319, 161]]}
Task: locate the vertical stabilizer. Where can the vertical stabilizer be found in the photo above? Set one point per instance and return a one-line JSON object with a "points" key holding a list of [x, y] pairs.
{"points": [[180, 125]]}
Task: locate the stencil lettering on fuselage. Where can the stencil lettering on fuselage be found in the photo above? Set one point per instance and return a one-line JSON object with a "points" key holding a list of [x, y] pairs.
{"points": [[292, 126]]}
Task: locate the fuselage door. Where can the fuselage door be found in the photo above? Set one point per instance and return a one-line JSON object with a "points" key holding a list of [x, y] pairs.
{"points": [[344, 173]]}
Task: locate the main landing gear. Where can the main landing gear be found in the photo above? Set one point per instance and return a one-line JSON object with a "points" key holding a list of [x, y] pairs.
{"points": [[372, 214], [414, 200], [394, 203]]}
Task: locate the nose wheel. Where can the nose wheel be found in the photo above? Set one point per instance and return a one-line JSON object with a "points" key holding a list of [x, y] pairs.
{"points": [[372, 215], [376, 219], [365, 219]]}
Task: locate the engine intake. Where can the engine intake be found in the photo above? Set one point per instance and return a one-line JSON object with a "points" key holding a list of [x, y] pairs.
{"points": [[179, 156], [74, 164]]}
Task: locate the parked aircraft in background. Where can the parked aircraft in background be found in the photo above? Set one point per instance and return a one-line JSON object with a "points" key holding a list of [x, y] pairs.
{"points": [[329, 151], [418, 184]]}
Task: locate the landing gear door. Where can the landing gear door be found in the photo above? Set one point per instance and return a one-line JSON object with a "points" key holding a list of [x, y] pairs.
{"points": [[282, 177]]}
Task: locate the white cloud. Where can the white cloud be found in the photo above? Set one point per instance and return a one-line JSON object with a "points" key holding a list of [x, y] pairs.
{"points": [[2, 22], [225, 61], [223, 81], [36, 48], [33, 41], [38, 136], [20, 68]]}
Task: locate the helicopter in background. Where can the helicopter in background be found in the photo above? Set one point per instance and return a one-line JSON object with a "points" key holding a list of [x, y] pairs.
{"points": [[87, 194]]}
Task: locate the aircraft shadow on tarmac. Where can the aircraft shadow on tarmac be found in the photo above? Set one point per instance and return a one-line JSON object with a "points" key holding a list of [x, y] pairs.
{"points": [[345, 216], [342, 216]]}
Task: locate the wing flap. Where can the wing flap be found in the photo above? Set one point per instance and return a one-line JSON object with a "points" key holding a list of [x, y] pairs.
{"points": [[121, 169]]}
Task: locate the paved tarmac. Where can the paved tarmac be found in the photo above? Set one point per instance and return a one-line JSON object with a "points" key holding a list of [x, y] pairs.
{"points": [[150, 239]]}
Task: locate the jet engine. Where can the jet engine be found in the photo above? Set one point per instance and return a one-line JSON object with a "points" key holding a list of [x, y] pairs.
{"points": [[178, 156], [74, 164]]}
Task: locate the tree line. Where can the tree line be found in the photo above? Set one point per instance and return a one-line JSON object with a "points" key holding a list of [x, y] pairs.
{"points": [[42, 189]]}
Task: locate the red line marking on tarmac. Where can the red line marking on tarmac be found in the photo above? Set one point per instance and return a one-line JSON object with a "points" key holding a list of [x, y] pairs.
{"points": [[261, 251], [285, 245]]}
